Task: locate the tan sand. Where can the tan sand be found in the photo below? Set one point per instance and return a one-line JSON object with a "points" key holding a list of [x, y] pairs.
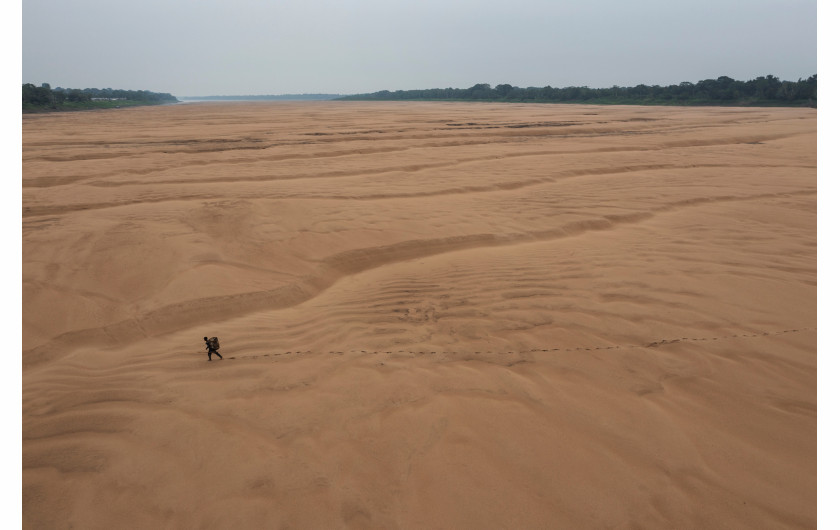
{"points": [[433, 315]]}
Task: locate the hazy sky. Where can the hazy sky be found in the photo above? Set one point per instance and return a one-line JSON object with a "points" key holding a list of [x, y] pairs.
{"points": [[227, 47]]}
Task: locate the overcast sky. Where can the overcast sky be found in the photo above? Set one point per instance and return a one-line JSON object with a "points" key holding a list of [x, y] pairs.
{"points": [[227, 47]]}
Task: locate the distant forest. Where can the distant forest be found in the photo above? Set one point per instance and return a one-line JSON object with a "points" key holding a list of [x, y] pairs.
{"points": [[45, 98], [761, 91]]}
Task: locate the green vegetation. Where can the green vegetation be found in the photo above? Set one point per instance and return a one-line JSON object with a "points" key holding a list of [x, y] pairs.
{"points": [[761, 91], [44, 98]]}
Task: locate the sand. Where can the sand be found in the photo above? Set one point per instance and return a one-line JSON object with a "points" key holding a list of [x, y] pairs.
{"points": [[432, 315]]}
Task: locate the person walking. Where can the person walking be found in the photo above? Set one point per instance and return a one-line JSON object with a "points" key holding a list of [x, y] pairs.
{"points": [[211, 348]]}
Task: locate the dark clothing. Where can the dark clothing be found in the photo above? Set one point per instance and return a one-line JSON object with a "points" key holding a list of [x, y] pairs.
{"points": [[210, 351]]}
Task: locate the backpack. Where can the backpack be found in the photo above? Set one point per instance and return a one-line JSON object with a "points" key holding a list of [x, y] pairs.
{"points": [[213, 342]]}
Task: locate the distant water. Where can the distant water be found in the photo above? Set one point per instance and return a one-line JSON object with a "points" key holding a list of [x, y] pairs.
{"points": [[283, 97]]}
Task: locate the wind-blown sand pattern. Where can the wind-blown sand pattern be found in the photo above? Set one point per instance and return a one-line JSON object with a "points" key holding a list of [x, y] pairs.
{"points": [[433, 315]]}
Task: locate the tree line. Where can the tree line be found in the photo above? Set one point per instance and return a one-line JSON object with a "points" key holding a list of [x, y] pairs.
{"points": [[45, 97], [767, 90]]}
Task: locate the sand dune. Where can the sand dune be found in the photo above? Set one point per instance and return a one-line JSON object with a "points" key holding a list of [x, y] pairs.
{"points": [[433, 315]]}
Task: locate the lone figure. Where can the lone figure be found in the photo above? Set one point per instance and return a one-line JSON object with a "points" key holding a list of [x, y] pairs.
{"points": [[212, 345]]}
